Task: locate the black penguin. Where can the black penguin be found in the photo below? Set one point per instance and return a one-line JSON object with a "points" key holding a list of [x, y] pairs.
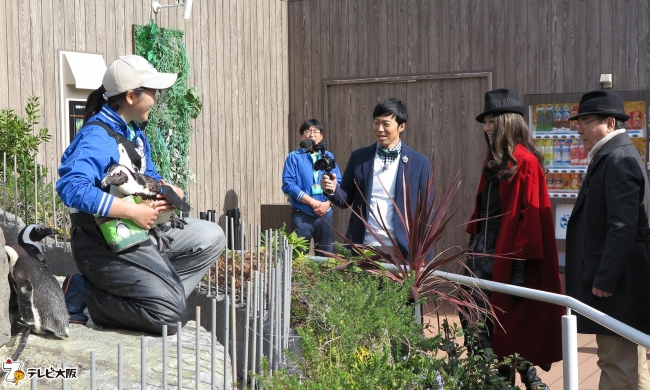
{"points": [[39, 297], [130, 182], [29, 245], [30, 240]]}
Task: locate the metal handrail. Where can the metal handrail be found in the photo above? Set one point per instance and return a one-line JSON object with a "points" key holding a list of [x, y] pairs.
{"points": [[569, 323], [599, 317]]}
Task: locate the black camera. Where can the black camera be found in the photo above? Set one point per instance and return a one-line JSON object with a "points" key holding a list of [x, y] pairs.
{"points": [[325, 162]]}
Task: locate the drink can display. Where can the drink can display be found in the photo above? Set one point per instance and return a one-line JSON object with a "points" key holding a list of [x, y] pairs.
{"points": [[575, 182], [637, 119], [557, 118], [548, 153], [557, 153], [566, 113], [566, 181], [574, 152], [548, 123], [583, 155], [557, 183], [574, 123], [541, 118], [566, 153]]}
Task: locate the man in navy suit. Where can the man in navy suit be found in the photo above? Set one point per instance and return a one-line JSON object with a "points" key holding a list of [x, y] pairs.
{"points": [[375, 173]]}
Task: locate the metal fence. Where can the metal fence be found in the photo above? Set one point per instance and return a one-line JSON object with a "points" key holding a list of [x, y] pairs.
{"points": [[263, 293]]}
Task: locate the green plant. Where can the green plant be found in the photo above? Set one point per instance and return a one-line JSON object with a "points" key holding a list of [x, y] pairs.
{"points": [[18, 135], [357, 332], [424, 224], [170, 121], [299, 244], [26, 192]]}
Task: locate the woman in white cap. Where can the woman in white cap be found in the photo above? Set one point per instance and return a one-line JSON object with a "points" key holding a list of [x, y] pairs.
{"points": [[139, 287], [512, 220]]}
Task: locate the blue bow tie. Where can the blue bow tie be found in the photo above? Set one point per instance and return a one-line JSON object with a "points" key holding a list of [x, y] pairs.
{"points": [[387, 153]]}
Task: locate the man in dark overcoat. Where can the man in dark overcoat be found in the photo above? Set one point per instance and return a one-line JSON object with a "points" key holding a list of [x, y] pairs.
{"points": [[608, 240]]}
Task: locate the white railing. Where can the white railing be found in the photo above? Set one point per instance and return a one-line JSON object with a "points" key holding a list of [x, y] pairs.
{"points": [[569, 324]]}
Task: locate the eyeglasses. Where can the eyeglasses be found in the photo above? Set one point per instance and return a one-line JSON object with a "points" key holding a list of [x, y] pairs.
{"points": [[583, 124], [313, 131]]}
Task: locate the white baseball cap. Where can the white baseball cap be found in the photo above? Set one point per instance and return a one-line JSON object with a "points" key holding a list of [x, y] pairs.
{"points": [[131, 72]]}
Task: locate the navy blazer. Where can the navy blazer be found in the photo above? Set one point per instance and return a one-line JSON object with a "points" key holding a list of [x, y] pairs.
{"points": [[360, 171]]}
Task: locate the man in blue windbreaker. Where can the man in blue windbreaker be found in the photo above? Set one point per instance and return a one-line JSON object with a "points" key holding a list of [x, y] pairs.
{"points": [[311, 212]]}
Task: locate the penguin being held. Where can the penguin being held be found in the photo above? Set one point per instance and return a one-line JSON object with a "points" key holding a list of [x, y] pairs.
{"points": [[130, 182], [40, 300]]}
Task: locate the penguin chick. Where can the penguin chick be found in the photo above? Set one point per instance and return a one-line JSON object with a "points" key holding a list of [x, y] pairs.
{"points": [[30, 240], [129, 182], [39, 297]]}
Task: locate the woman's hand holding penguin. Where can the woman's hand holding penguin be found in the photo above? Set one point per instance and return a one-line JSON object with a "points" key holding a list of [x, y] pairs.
{"points": [[145, 216]]}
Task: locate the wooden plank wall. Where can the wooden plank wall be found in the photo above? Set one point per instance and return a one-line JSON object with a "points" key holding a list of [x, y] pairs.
{"points": [[238, 51], [536, 47]]}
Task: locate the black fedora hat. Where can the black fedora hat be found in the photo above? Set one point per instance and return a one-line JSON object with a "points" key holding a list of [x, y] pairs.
{"points": [[500, 101], [602, 103]]}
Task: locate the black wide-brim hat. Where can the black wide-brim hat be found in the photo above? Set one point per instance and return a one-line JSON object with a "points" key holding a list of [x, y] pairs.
{"points": [[501, 101], [602, 103]]}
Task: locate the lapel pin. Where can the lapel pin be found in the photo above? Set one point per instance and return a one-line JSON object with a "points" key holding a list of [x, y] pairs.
{"points": [[405, 159]]}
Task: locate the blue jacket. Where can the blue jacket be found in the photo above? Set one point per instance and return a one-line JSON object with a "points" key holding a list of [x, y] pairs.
{"points": [[298, 178], [359, 172], [86, 160]]}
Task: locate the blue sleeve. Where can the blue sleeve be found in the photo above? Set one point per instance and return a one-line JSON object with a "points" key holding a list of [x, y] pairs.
{"points": [[82, 168], [291, 178]]}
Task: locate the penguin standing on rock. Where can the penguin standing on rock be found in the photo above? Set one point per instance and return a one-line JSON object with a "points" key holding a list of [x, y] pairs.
{"points": [[130, 182], [29, 245], [40, 299]]}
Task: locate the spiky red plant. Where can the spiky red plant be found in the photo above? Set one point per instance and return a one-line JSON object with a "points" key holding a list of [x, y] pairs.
{"points": [[425, 225]]}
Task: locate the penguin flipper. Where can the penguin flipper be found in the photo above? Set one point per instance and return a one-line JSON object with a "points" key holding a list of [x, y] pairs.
{"points": [[25, 295], [173, 198]]}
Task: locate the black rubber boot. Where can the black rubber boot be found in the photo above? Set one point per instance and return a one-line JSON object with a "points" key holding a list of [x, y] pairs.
{"points": [[531, 380]]}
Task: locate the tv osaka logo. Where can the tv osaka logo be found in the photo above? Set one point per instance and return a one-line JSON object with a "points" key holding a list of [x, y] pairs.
{"points": [[13, 371]]}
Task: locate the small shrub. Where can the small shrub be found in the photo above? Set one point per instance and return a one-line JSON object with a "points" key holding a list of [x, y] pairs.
{"points": [[20, 141], [357, 331]]}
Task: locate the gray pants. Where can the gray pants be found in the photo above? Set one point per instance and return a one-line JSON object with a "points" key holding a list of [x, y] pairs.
{"points": [[141, 288]]}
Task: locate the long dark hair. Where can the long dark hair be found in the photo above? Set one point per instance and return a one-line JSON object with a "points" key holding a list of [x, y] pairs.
{"points": [[509, 130], [96, 100]]}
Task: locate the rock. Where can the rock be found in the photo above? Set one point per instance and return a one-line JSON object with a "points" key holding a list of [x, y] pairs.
{"points": [[43, 352]]}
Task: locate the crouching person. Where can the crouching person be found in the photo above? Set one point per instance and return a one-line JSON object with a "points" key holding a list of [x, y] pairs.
{"points": [[140, 287]]}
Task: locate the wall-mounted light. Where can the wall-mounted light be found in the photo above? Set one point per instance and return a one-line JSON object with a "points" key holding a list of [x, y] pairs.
{"points": [[606, 81], [186, 4]]}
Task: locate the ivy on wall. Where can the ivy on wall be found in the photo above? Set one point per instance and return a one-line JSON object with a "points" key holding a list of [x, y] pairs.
{"points": [[169, 126]]}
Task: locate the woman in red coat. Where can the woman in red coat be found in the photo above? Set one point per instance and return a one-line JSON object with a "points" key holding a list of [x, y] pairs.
{"points": [[512, 195]]}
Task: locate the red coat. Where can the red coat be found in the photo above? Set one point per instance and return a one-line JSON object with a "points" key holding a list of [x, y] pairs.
{"points": [[531, 328]]}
